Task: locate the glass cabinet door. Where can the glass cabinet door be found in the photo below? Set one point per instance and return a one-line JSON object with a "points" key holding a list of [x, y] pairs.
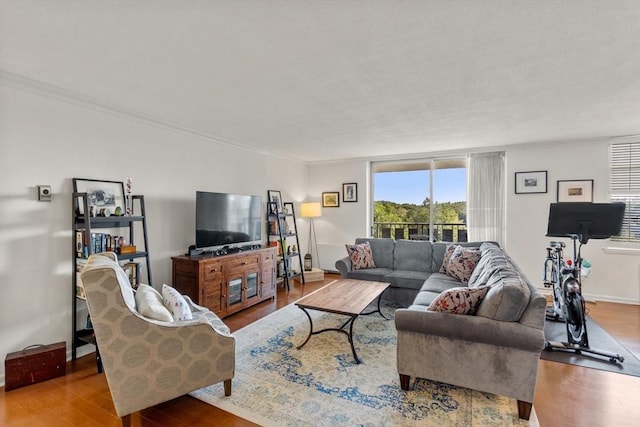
{"points": [[252, 285], [235, 291]]}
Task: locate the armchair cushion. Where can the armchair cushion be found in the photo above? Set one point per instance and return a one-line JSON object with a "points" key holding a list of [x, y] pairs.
{"points": [[149, 304], [175, 303]]}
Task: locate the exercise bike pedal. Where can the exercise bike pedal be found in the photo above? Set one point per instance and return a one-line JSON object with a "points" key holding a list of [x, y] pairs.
{"points": [[552, 315]]}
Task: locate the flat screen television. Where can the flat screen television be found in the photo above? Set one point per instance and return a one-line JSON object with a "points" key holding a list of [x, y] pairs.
{"points": [[227, 221], [587, 220]]}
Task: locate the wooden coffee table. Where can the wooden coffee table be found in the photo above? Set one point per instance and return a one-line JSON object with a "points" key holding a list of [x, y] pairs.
{"points": [[344, 296]]}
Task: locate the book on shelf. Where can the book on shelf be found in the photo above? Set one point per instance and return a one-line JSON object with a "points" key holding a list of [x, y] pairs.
{"points": [[98, 242]]}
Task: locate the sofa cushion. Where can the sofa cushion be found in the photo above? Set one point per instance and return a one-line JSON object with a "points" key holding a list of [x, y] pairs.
{"points": [[507, 298], [492, 259], [382, 250], [149, 304], [374, 274], [424, 298], [462, 263], [361, 256], [439, 282], [446, 257], [460, 300], [412, 255], [176, 303], [407, 279]]}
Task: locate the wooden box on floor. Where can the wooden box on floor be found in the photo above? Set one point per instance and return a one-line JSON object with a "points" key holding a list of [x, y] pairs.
{"points": [[34, 365], [315, 275]]}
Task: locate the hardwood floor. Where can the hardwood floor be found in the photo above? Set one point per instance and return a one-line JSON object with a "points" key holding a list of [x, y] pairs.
{"points": [[566, 395]]}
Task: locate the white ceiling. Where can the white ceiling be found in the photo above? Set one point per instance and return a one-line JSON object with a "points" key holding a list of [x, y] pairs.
{"points": [[323, 80]]}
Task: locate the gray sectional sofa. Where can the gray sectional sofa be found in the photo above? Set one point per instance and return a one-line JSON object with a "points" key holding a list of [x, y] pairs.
{"points": [[494, 350]]}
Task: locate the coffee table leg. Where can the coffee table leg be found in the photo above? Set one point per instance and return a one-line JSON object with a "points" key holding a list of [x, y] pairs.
{"points": [[376, 311], [350, 335], [310, 328], [341, 329]]}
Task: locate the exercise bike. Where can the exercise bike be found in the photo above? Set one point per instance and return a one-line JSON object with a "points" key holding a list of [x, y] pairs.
{"points": [[580, 222]]}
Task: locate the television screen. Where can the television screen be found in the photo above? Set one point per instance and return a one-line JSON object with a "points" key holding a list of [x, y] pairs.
{"points": [[227, 220], [588, 220]]}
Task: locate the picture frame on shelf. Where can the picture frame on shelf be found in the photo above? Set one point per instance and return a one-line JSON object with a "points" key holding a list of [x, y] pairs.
{"points": [[580, 190], [330, 199], [274, 197], [531, 182], [350, 192], [103, 195]]}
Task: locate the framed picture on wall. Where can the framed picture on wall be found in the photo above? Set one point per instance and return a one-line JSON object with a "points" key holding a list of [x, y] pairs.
{"points": [[330, 199], [350, 192], [531, 182], [575, 191]]}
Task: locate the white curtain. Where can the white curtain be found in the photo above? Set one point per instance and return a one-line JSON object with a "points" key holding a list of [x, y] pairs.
{"points": [[486, 197]]}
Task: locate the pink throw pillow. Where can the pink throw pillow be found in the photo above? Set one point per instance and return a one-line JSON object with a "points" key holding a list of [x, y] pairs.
{"points": [[459, 300], [462, 262], [361, 256]]}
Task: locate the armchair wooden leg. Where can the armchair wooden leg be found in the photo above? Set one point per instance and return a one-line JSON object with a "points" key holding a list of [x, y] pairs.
{"points": [[404, 382], [126, 421], [524, 409], [227, 387]]}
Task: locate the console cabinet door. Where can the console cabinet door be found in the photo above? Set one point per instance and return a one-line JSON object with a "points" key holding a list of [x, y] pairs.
{"points": [[268, 274]]}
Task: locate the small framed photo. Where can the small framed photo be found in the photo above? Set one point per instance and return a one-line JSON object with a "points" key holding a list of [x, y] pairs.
{"points": [[531, 182], [330, 199], [575, 191], [105, 196], [274, 197], [350, 192]]}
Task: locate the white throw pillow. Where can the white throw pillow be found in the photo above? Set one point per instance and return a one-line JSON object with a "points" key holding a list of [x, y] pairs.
{"points": [[176, 303], [149, 304]]}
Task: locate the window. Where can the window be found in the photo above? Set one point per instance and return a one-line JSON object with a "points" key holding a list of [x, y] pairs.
{"points": [[420, 199], [624, 164]]}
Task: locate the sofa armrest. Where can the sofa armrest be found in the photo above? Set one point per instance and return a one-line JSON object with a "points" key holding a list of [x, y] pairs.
{"points": [[344, 266], [469, 328]]}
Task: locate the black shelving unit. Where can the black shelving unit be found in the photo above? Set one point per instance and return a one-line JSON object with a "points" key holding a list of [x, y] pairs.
{"points": [[285, 231], [83, 228]]}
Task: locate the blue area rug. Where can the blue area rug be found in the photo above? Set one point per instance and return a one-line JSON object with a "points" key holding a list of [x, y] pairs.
{"points": [[321, 385]]}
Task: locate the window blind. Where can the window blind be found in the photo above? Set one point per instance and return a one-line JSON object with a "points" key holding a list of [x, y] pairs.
{"points": [[625, 187]]}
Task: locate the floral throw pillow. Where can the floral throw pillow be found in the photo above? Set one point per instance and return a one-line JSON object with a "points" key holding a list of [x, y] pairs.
{"points": [[361, 256], [447, 256], [176, 303], [461, 300], [462, 262]]}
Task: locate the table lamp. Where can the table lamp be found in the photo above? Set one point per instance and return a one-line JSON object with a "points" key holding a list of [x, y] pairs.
{"points": [[311, 210]]}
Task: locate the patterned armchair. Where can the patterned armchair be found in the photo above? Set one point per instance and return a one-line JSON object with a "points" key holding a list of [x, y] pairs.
{"points": [[146, 361]]}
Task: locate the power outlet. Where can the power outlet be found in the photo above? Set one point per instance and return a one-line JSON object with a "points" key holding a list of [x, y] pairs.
{"points": [[44, 193]]}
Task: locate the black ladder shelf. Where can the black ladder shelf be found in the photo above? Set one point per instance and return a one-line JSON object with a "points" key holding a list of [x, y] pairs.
{"points": [[84, 226], [279, 227]]}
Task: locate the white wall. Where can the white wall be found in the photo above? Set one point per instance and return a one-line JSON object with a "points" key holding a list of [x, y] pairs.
{"points": [[343, 224], [48, 138], [614, 277]]}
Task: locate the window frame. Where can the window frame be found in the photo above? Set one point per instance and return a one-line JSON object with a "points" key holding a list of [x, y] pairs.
{"points": [[624, 186]]}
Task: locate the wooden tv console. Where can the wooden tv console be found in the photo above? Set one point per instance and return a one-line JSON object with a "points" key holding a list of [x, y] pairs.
{"points": [[229, 283]]}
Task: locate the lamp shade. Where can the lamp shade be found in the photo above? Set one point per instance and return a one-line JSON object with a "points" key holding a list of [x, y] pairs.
{"points": [[310, 210]]}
